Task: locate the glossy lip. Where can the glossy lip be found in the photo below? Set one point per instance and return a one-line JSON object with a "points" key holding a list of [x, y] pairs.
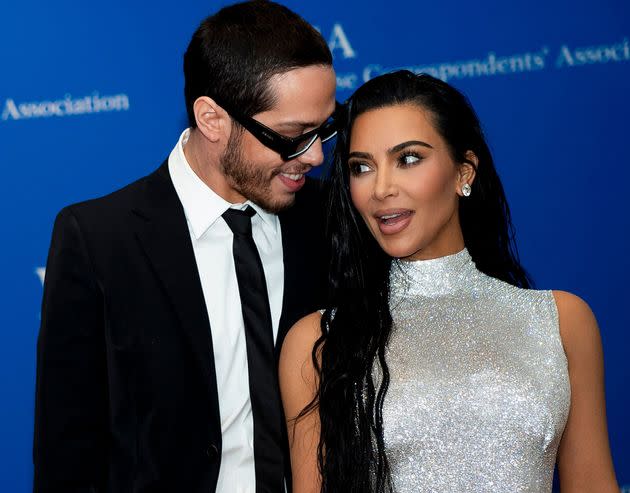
{"points": [[395, 225]]}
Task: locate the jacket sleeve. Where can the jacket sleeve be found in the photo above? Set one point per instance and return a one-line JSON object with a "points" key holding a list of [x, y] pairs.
{"points": [[71, 419]]}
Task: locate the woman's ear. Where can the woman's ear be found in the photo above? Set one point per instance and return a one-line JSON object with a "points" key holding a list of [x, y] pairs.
{"points": [[467, 172], [212, 120]]}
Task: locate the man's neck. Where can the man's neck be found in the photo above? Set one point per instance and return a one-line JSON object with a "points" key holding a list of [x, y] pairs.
{"points": [[206, 165]]}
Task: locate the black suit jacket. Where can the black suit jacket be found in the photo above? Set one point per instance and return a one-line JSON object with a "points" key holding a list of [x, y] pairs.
{"points": [[126, 397]]}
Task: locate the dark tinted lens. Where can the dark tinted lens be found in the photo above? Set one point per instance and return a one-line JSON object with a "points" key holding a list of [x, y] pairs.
{"points": [[304, 144], [325, 132], [329, 130]]}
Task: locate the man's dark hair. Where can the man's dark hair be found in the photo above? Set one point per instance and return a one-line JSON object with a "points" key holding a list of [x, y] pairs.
{"points": [[235, 52]]}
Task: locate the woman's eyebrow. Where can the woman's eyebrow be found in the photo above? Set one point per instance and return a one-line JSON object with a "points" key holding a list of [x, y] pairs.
{"points": [[393, 150], [360, 155], [401, 146]]}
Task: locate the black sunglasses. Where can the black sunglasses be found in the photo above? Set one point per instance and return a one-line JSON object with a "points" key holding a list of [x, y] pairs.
{"points": [[288, 147]]}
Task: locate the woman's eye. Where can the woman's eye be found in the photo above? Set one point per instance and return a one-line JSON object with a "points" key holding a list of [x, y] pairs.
{"points": [[409, 159], [358, 168]]}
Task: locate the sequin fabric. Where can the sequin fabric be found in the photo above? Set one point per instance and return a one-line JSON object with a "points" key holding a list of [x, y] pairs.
{"points": [[479, 392]]}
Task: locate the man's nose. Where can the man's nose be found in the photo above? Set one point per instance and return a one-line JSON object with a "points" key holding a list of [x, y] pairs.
{"points": [[314, 156]]}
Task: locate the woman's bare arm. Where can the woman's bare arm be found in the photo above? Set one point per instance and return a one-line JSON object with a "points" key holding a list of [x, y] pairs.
{"points": [[584, 460], [298, 386]]}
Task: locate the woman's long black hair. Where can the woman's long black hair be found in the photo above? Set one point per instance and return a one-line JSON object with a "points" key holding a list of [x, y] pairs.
{"points": [[350, 355]]}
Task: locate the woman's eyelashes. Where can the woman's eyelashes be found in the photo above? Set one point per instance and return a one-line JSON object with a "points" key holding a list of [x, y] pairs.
{"points": [[358, 167], [409, 158], [405, 159]]}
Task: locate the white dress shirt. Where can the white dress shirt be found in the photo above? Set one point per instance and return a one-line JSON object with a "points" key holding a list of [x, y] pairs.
{"points": [[212, 243]]}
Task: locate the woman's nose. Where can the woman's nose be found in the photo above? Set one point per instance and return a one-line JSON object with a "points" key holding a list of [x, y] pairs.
{"points": [[385, 184]]}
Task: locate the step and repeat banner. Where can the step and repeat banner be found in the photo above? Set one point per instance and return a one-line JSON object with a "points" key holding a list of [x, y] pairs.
{"points": [[91, 97]]}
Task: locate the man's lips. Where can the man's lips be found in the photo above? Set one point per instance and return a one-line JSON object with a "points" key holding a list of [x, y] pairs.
{"points": [[392, 221], [293, 176], [292, 181]]}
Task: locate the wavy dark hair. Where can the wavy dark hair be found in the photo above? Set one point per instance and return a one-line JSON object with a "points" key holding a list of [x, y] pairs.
{"points": [[349, 357]]}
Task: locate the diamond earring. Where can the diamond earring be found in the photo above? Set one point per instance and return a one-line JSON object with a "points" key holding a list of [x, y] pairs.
{"points": [[466, 190]]}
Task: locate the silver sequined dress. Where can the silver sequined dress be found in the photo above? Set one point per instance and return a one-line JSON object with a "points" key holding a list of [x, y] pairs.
{"points": [[479, 391]]}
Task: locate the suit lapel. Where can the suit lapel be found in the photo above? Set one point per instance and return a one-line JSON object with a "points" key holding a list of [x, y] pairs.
{"points": [[164, 236]]}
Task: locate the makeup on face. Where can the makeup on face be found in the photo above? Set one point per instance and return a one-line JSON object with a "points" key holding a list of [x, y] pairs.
{"points": [[403, 180]]}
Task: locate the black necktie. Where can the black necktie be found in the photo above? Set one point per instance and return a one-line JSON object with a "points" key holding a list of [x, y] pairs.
{"points": [[263, 378]]}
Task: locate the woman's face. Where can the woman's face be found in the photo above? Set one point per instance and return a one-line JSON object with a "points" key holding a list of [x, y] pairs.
{"points": [[405, 184]]}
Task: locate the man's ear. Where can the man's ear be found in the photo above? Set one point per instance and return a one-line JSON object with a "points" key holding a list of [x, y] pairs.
{"points": [[467, 171], [212, 120]]}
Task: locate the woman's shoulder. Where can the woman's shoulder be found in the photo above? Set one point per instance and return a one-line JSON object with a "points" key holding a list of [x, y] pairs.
{"points": [[573, 311], [305, 331], [309, 328], [571, 303], [299, 342], [297, 374], [578, 326]]}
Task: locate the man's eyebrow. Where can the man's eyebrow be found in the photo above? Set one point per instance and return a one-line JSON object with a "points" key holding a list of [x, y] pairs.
{"points": [[409, 143], [297, 124], [302, 124]]}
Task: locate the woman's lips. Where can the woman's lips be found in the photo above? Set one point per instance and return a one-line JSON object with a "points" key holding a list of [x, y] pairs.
{"points": [[393, 221]]}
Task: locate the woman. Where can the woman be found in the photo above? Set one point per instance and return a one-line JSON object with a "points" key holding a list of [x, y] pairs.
{"points": [[438, 369]]}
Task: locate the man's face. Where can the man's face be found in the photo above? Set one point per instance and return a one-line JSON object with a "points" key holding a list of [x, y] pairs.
{"points": [[305, 98]]}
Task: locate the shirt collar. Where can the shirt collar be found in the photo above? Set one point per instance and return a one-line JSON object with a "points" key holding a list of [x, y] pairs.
{"points": [[202, 205]]}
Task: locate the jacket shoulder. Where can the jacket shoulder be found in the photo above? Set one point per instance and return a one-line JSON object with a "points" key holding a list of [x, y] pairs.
{"points": [[109, 208]]}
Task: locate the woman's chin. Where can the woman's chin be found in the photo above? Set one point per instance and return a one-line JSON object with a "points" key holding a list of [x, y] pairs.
{"points": [[399, 251]]}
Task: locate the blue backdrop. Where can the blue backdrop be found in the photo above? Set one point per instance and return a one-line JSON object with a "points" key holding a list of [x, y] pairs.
{"points": [[91, 98]]}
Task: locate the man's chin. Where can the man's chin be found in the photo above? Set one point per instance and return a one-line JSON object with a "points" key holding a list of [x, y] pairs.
{"points": [[273, 201], [278, 203], [278, 198]]}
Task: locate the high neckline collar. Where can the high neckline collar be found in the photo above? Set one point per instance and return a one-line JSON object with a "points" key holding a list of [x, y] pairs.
{"points": [[440, 275]]}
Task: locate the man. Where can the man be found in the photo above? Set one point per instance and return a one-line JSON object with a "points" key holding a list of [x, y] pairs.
{"points": [[166, 302]]}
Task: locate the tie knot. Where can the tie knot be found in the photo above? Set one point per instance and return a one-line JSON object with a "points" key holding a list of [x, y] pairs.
{"points": [[240, 221]]}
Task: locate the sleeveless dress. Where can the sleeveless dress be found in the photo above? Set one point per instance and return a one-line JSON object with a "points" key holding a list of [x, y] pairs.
{"points": [[479, 390]]}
